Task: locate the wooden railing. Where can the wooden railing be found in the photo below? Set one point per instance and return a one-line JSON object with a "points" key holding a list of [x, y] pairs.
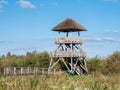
{"points": [[67, 54], [77, 40], [9, 71]]}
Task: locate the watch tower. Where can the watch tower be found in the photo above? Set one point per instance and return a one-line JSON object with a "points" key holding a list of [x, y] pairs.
{"points": [[68, 48]]}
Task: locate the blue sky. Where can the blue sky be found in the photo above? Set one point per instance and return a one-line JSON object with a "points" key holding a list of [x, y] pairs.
{"points": [[25, 25]]}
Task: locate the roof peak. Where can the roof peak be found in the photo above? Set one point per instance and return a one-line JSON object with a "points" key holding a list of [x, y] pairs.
{"points": [[68, 25]]}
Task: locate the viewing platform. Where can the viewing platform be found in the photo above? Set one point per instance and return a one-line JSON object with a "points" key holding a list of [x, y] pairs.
{"points": [[68, 54], [74, 40]]}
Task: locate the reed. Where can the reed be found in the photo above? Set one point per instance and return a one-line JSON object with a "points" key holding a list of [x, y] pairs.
{"points": [[96, 81]]}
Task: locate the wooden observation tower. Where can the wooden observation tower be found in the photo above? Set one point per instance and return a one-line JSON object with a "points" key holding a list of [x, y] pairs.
{"points": [[68, 48]]}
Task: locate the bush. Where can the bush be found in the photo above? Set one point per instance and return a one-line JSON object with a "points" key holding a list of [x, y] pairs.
{"points": [[109, 65], [95, 64], [112, 63], [32, 59]]}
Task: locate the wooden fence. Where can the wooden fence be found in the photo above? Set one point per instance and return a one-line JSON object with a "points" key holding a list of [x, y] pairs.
{"points": [[9, 71]]}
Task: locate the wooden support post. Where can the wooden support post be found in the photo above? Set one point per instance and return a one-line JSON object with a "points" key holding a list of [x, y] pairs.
{"points": [[59, 71], [82, 67], [76, 71], [21, 71], [50, 62], [58, 34], [71, 58], [49, 70], [71, 65], [7, 70], [34, 70], [78, 34], [67, 34], [43, 71], [66, 65], [55, 63], [14, 71], [28, 70], [76, 64], [54, 71], [86, 67], [4, 71]]}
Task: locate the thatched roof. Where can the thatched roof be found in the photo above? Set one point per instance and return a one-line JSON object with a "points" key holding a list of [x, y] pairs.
{"points": [[68, 25]]}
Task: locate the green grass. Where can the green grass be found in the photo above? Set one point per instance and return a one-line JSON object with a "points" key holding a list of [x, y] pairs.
{"points": [[61, 82]]}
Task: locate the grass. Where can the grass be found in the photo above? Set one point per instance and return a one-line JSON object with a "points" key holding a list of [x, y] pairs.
{"points": [[61, 82]]}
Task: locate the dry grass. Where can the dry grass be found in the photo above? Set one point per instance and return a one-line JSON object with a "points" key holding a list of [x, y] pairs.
{"points": [[61, 82]]}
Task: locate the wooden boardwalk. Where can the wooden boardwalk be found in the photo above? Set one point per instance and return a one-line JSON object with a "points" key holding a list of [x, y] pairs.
{"points": [[10, 71]]}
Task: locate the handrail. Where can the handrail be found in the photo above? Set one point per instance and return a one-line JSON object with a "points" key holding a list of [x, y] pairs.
{"points": [[68, 40], [68, 54]]}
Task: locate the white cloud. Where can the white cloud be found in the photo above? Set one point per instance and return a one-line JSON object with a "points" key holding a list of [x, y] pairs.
{"points": [[108, 39], [3, 2], [25, 4], [110, 31], [92, 39], [22, 49], [2, 41], [97, 45]]}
